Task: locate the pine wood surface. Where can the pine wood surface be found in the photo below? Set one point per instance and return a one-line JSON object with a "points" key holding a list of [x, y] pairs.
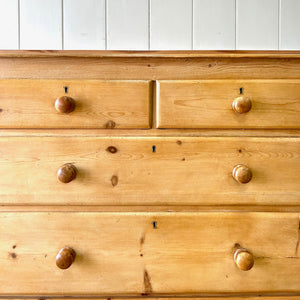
{"points": [[149, 171], [150, 68], [126, 254], [208, 104], [106, 212], [134, 54], [30, 104], [152, 132]]}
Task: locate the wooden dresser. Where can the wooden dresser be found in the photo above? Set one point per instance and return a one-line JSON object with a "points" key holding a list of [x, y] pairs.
{"points": [[150, 174]]}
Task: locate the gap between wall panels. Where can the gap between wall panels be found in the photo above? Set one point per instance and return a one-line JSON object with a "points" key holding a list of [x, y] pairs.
{"points": [[150, 24]]}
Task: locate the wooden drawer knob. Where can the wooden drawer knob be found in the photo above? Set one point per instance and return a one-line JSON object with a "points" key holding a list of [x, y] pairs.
{"points": [[243, 259], [242, 174], [241, 105], [66, 173], [65, 258], [64, 104]]}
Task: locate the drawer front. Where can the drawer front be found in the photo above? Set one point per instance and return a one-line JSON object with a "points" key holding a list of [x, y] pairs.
{"points": [[149, 171], [96, 104], [228, 104], [117, 253]]}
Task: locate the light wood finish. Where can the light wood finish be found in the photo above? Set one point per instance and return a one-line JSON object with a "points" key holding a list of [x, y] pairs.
{"points": [[149, 208], [248, 297], [208, 104], [150, 170], [154, 132], [149, 54], [160, 67], [150, 212], [125, 254], [32, 104]]}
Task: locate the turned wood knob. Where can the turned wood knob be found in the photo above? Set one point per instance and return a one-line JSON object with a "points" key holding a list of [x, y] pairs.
{"points": [[243, 259], [241, 105], [64, 104], [242, 174], [66, 173], [65, 257]]}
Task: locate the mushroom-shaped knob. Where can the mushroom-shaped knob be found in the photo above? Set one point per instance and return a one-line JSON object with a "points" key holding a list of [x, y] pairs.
{"points": [[242, 174], [64, 104], [241, 105], [65, 258], [243, 259], [66, 173]]}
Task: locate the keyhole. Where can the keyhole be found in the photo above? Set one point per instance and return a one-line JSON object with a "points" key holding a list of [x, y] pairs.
{"points": [[154, 223], [241, 91], [153, 149], [66, 89]]}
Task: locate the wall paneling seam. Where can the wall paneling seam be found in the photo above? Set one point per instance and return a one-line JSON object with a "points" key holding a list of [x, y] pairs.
{"points": [[149, 24], [19, 26], [62, 26]]}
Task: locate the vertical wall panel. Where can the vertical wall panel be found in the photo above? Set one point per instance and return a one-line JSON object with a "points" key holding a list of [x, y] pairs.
{"points": [[171, 24], [214, 24], [127, 24], [84, 24], [9, 24], [41, 24], [257, 24], [289, 25]]}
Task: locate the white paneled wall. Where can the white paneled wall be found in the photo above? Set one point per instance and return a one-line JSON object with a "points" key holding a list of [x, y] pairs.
{"points": [[150, 24], [289, 29], [171, 24], [214, 24], [40, 24], [9, 24], [127, 24], [257, 24], [84, 24]]}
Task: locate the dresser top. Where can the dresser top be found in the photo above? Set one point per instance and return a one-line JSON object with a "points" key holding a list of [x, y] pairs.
{"points": [[155, 54]]}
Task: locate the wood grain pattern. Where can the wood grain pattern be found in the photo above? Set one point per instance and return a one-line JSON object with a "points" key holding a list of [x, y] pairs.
{"points": [[221, 298], [30, 103], [164, 53], [150, 171], [208, 104], [154, 132], [58, 66], [123, 254], [248, 297]]}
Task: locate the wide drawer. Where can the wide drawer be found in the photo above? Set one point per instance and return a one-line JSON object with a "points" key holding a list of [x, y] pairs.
{"points": [[96, 104], [148, 253], [228, 104], [149, 170]]}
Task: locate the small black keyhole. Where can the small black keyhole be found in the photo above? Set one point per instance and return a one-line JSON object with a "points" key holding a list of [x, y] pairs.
{"points": [[66, 89], [154, 223], [153, 149], [241, 91]]}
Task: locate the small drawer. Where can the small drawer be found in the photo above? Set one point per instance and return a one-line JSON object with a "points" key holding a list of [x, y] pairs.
{"points": [[228, 104], [148, 253], [149, 170], [74, 104]]}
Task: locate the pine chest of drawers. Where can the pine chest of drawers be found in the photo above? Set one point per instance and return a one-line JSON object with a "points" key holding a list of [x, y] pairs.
{"points": [[150, 174]]}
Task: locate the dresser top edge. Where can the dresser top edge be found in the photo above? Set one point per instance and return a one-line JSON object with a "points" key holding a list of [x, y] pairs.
{"points": [[149, 54]]}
